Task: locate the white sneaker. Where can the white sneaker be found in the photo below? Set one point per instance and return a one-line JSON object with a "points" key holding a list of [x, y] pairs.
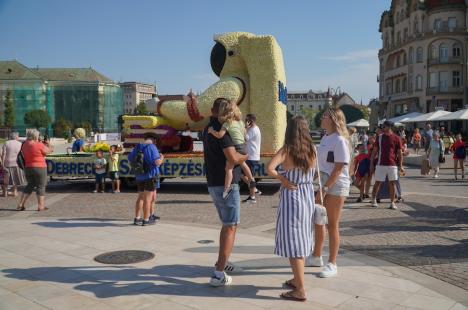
{"points": [[436, 176], [231, 268], [225, 280], [314, 261], [330, 270], [374, 203], [393, 206]]}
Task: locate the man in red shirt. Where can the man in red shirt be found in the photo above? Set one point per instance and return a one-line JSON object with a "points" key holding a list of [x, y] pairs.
{"points": [[388, 154]]}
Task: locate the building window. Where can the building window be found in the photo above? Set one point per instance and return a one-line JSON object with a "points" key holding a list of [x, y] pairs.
{"points": [[405, 35], [419, 82], [403, 85], [411, 56], [410, 83], [437, 25], [398, 61], [292, 108], [397, 87], [398, 37], [456, 50], [433, 81], [397, 18], [434, 52], [404, 59], [444, 53], [416, 25], [456, 79], [452, 23], [320, 107], [389, 88], [419, 54]]}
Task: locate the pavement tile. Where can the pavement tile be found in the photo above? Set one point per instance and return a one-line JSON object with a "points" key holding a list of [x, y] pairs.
{"points": [[73, 302], [459, 307], [363, 303], [15, 302], [329, 297], [427, 302]]}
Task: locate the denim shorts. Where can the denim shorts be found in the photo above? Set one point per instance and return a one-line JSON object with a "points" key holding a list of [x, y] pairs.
{"points": [[100, 178], [340, 188], [228, 209]]}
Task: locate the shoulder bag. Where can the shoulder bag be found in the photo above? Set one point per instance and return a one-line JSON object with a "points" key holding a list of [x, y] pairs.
{"points": [[20, 158], [320, 213]]}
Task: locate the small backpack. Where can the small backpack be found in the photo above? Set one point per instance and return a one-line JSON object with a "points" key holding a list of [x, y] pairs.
{"points": [[138, 163]]}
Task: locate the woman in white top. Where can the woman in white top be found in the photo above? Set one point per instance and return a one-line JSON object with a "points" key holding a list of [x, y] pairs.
{"points": [[333, 159]]}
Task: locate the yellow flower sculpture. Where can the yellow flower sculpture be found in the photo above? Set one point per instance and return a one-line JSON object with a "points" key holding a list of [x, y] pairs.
{"points": [[251, 72]]}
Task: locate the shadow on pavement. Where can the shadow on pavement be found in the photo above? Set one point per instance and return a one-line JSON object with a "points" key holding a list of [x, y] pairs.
{"points": [[81, 222], [126, 281]]}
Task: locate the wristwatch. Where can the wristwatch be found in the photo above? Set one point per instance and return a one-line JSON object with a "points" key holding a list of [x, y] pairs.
{"points": [[325, 188]]}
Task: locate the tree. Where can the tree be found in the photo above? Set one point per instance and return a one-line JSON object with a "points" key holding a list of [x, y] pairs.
{"points": [[309, 115], [9, 120], [141, 109], [351, 113], [37, 119], [62, 128], [318, 118]]}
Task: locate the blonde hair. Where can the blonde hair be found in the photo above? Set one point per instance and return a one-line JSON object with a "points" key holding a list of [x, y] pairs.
{"points": [[338, 120], [79, 133], [229, 112]]}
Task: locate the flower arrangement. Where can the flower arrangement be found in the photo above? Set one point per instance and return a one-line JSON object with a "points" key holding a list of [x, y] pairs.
{"points": [[99, 146]]}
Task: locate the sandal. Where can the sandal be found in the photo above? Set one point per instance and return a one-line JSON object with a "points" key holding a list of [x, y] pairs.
{"points": [[43, 209], [289, 284], [21, 208], [290, 296]]}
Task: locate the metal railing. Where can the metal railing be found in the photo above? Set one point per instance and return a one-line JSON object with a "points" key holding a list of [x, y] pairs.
{"points": [[446, 60], [444, 90]]}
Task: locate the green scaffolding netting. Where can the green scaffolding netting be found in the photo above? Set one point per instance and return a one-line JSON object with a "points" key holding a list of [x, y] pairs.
{"points": [[99, 105]]}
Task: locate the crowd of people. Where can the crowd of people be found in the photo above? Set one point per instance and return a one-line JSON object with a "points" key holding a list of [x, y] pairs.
{"points": [[231, 149]]}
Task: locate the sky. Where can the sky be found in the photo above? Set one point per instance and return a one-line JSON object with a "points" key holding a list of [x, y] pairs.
{"points": [[325, 43]]}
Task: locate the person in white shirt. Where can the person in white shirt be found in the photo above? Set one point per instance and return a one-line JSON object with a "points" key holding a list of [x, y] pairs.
{"points": [[333, 160], [253, 139]]}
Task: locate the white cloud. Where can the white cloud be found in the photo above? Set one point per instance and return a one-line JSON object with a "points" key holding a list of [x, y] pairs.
{"points": [[355, 56]]}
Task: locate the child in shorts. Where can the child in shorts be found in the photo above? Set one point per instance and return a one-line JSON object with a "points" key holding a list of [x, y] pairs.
{"points": [[361, 170], [114, 168], [100, 172], [231, 118]]}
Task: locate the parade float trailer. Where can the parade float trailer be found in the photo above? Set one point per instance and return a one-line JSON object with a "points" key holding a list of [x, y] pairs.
{"points": [[251, 73]]}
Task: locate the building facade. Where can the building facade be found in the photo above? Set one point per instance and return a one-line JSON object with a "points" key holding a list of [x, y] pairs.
{"points": [[135, 93], [298, 100], [74, 94], [423, 59]]}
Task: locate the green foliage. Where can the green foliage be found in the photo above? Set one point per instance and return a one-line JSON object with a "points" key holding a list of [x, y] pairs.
{"points": [[62, 128], [351, 113], [141, 109], [310, 114], [37, 119], [366, 112], [9, 114], [318, 118]]}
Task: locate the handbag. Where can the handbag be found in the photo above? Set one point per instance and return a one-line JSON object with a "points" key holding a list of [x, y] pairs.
{"points": [[20, 159], [441, 156], [320, 213]]}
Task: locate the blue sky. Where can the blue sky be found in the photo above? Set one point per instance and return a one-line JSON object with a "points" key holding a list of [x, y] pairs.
{"points": [[325, 42]]}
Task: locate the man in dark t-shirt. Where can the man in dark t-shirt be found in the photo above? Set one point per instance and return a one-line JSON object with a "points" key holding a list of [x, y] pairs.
{"points": [[216, 153], [387, 153]]}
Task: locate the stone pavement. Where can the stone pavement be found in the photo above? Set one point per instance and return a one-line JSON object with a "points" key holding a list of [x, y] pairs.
{"points": [[48, 264]]}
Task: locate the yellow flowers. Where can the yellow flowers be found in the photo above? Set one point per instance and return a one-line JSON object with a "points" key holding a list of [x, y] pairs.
{"points": [[100, 146]]}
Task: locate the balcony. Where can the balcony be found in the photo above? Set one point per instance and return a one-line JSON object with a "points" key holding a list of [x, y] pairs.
{"points": [[445, 61], [444, 90]]}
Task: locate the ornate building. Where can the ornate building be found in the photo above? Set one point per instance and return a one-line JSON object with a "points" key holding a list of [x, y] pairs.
{"points": [[423, 59]]}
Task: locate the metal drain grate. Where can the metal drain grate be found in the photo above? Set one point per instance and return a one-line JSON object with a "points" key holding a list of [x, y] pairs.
{"points": [[124, 257]]}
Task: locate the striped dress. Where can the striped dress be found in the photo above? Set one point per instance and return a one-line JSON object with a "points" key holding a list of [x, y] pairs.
{"points": [[294, 226]]}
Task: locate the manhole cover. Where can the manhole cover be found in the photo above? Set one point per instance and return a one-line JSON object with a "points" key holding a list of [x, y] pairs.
{"points": [[124, 257], [205, 241]]}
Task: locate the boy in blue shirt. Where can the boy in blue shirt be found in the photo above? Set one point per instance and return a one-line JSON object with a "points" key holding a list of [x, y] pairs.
{"points": [[146, 181]]}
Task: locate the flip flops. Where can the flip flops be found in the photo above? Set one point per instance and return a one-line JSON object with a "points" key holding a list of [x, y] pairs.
{"points": [[290, 296], [43, 209], [289, 283]]}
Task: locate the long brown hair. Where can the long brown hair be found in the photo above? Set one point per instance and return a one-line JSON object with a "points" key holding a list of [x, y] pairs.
{"points": [[298, 144]]}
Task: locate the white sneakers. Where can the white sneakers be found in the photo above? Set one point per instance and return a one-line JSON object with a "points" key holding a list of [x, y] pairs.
{"points": [[314, 261], [374, 203], [393, 206], [330, 270], [222, 281]]}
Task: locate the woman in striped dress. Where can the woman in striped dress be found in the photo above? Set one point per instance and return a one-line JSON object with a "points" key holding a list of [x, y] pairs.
{"points": [[296, 209]]}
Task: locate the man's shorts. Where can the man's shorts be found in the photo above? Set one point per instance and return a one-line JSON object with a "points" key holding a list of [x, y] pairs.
{"points": [[340, 188], [146, 185], [100, 178], [229, 208], [381, 172], [114, 175]]}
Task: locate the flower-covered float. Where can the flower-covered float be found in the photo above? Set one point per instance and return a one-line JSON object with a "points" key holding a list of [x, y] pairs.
{"points": [[251, 73]]}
